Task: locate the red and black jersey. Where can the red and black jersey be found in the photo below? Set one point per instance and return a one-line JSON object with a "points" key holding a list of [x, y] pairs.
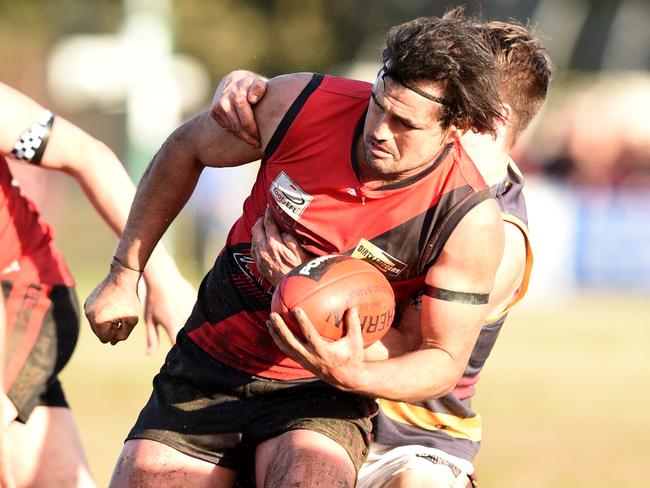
{"points": [[27, 251], [310, 180], [31, 272], [449, 423]]}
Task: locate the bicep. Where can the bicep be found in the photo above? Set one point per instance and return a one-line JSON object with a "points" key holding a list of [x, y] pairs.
{"points": [[18, 113], [458, 285], [207, 143], [214, 146]]}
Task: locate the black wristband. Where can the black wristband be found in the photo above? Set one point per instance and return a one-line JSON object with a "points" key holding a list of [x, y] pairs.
{"points": [[127, 266]]}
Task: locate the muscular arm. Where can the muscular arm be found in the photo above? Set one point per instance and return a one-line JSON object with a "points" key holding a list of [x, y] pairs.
{"points": [[449, 328], [509, 276], [165, 188], [109, 189], [196, 144]]}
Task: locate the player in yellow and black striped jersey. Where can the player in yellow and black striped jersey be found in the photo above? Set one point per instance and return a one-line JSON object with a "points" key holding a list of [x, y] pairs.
{"points": [[440, 437]]}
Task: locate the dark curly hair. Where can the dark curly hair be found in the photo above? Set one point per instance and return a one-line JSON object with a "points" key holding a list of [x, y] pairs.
{"points": [[448, 51]]}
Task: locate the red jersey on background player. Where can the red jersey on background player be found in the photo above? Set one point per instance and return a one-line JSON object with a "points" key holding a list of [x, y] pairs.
{"points": [[41, 312]]}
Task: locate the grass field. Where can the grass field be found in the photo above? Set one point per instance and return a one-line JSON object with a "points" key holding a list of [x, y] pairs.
{"points": [[564, 397]]}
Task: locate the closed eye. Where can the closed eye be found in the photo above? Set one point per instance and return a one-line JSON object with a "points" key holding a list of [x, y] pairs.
{"points": [[406, 123], [374, 99]]}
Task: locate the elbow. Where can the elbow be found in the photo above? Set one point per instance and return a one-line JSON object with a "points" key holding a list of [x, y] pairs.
{"points": [[442, 387], [91, 157], [446, 377], [434, 391], [449, 387]]}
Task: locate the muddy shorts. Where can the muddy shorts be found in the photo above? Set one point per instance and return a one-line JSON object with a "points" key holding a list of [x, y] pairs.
{"points": [[210, 411], [42, 323]]}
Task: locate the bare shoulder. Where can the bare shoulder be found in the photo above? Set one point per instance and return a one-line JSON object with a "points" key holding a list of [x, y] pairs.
{"points": [[281, 92], [484, 217], [472, 254], [480, 231]]}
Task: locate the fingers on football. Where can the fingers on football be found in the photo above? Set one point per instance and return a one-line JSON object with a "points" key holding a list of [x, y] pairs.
{"points": [[307, 328], [353, 325]]}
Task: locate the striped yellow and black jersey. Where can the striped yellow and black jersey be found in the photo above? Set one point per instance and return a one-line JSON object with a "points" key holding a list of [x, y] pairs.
{"points": [[449, 423]]}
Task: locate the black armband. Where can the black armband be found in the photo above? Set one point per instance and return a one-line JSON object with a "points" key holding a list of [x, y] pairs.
{"points": [[457, 296], [31, 145]]}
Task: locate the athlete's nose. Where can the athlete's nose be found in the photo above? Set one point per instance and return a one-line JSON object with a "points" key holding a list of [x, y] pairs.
{"points": [[381, 130]]}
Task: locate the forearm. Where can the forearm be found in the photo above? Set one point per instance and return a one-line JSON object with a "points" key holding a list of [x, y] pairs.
{"points": [[415, 376], [393, 344], [104, 181], [162, 192], [110, 190]]}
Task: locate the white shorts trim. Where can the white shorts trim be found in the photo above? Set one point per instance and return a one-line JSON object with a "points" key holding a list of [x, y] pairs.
{"points": [[384, 462]]}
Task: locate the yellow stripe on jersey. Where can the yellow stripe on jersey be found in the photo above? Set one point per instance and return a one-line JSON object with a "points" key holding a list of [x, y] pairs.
{"points": [[523, 288], [406, 413]]}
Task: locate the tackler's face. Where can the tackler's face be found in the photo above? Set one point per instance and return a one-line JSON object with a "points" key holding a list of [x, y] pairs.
{"points": [[402, 131]]}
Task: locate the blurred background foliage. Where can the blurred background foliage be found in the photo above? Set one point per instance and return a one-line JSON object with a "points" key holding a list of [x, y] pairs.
{"points": [[277, 36]]}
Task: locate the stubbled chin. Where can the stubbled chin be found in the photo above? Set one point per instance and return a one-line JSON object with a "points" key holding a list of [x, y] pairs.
{"points": [[381, 167]]}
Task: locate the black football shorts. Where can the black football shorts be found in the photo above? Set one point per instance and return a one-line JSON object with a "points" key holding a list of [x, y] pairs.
{"points": [[210, 411], [42, 331]]}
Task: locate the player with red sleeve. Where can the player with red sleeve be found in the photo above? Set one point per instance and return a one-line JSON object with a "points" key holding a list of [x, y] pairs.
{"points": [[41, 313]]}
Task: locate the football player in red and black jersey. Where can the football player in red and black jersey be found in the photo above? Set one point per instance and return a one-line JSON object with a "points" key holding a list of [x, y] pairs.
{"points": [[374, 171], [41, 312], [430, 443]]}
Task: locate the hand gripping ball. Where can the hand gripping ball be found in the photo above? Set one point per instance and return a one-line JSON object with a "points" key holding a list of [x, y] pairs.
{"points": [[327, 286]]}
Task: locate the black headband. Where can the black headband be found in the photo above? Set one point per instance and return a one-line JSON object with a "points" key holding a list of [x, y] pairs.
{"points": [[384, 72]]}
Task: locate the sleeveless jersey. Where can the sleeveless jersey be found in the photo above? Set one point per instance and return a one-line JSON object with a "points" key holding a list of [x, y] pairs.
{"points": [[448, 423], [27, 251], [309, 178]]}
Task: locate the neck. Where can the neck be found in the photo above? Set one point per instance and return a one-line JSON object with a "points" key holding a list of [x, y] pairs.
{"points": [[489, 156], [373, 179]]}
